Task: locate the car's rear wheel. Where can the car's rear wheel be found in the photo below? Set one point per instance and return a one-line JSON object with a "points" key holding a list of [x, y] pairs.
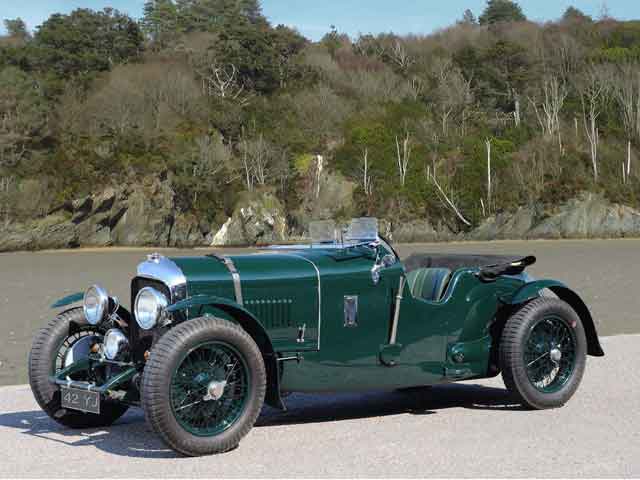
{"points": [[543, 353], [47, 356], [203, 386]]}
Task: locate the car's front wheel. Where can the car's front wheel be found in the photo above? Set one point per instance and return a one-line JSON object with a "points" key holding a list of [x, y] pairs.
{"points": [[543, 353], [203, 386], [49, 355]]}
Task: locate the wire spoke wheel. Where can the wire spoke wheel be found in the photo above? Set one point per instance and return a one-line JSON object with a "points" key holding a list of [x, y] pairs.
{"points": [[210, 388], [550, 354], [70, 341], [543, 352], [203, 386], [48, 356]]}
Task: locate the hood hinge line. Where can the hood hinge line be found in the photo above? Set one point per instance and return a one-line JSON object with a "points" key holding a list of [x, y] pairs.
{"points": [[319, 290], [234, 275]]}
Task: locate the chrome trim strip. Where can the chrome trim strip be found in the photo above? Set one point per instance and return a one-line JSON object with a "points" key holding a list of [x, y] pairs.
{"points": [[235, 276], [396, 313], [158, 267], [237, 285], [319, 291]]}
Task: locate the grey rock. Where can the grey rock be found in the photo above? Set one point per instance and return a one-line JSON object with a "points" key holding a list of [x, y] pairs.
{"points": [[134, 215], [506, 225], [149, 216], [186, 232], [589, 216], [16, 237], [333, 200], [258, 218], [146, 215], [51, 234], [420, 231]]}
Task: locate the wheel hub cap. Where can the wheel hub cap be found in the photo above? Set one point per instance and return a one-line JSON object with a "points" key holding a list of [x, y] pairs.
{"points": [[555, 354], [215, 390]]}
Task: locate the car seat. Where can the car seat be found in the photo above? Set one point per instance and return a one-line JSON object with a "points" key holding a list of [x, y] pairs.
{"points": [[429, 283]]}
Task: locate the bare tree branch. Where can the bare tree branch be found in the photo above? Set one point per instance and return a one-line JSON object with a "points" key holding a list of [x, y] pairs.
{"points": [[403, 157], [448, 201]]}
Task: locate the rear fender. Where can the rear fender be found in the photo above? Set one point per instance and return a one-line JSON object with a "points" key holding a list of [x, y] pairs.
{"points": [[253, 327], [534, 289]]}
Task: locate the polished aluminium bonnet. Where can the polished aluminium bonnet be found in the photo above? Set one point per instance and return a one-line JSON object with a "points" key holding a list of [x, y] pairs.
{"points": [[160, 268]]}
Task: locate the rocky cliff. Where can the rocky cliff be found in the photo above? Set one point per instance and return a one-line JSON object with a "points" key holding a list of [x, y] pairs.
{"points": [[588, 216], [146, 215], [131, 215]]}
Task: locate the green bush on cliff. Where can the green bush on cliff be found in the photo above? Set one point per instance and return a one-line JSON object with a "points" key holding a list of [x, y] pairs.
{"points": [[210, 97]]}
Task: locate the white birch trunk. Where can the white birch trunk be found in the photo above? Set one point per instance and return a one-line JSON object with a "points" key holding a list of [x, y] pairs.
{"points": [[488, 143]]}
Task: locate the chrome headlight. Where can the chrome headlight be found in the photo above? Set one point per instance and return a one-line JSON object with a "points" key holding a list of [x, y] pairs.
{"points": [[95, 304], [115, 344], [149, 305]]}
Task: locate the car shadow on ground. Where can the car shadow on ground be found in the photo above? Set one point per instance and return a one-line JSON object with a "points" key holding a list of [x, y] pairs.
{"points": [[132, 437], [416, 401]]}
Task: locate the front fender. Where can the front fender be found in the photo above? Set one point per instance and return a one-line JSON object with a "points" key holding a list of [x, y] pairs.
{"points": [[253, 327], [68, 300], [534, 289]]}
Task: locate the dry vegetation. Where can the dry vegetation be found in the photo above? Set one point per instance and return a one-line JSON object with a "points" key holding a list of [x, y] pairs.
{"points": [[479, 117]]}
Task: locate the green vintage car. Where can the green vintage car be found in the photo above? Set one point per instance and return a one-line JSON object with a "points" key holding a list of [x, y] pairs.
{"points": [[209, 339]]}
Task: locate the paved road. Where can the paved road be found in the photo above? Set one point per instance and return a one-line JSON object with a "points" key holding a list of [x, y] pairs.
{"points": [[461, 430]]}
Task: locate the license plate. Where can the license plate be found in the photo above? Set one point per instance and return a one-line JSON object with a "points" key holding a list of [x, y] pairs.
{"points": [[82, 400]]}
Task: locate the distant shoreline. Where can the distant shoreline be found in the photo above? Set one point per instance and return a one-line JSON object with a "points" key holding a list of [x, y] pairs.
{"points": [[131, 249]]}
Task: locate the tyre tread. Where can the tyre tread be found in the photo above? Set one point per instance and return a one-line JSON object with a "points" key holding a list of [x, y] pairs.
{"points": [[513, 370], [39, 371], [156, 396]]}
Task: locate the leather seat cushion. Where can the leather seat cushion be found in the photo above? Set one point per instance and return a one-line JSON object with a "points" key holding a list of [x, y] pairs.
{"points": [[429, 283]]}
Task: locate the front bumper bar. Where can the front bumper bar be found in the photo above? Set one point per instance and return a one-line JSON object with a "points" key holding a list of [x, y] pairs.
{"points": [[63, 378]]}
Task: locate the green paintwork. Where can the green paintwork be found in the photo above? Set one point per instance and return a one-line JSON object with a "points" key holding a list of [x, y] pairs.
{"points": [[82, 365], [532, 290], [204, 300], [75, 367], [572, 298], [294, 316], [68, 300], [225, 308], [437, 341]]}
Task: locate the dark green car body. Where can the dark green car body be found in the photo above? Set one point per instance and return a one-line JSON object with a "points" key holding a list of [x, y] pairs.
{"points": [[297, 303]]}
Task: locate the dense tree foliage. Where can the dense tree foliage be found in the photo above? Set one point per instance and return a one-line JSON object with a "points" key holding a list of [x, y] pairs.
{"points": [[455, 126], [86, 41], [16, 28], [500, 11]]}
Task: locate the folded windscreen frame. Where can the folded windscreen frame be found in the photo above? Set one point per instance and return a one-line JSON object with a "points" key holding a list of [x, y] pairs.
{"points": [[359, 230], [362, 230], [322, 231]]}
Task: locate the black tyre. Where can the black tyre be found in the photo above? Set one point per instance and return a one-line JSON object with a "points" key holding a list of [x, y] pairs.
{"points": [[203, 386], [46, 357], [543, 353]]}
